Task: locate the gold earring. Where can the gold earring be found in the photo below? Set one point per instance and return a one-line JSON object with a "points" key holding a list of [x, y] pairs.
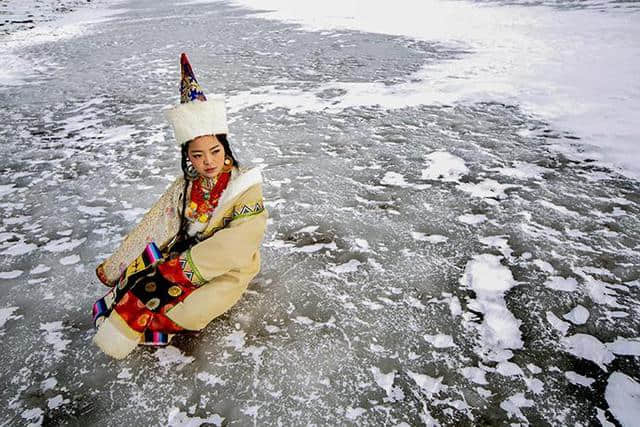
{"points": [[228, 164]]}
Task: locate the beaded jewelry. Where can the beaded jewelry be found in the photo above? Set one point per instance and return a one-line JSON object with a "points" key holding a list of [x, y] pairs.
{"points": [[205, 193]]}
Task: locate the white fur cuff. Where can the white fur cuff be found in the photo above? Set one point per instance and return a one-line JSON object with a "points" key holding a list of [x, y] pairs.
{"points": [[115, 341]]}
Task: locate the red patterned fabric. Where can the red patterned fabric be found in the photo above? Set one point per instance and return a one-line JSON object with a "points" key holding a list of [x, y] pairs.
{"points": [[139, 317], [134, 312], [172, 271]]}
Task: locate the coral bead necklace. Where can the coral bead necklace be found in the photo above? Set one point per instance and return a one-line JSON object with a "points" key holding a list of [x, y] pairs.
{"points": [[205, 194]]}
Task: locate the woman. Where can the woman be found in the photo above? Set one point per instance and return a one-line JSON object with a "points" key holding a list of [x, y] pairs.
{"points": [[193, 254]]}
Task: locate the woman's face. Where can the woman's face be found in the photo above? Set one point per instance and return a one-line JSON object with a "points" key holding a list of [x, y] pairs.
{"points": [[206, 155]]}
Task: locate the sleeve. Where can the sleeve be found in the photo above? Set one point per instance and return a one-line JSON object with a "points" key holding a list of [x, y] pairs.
{"points": [[234, 246], [159, 225]]}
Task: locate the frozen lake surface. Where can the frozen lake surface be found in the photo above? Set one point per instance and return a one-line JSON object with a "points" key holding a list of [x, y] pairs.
{"points": [[431, 257]]}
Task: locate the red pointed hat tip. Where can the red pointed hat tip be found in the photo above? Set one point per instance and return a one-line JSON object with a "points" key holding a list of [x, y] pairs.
{"points": [[184, 59]]}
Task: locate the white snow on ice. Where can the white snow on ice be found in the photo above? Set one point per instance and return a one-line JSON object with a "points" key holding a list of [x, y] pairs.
{"points": [[561, 284], [588, 347], [578, 315], [431, 238], [623, 396], [490, 280], [486, 189], [472, 219], [54, 337], [10, 274], [444, 166], [6, 314], [575, 378], [559, 325], [440, 340], [625, 346], [179, 418], [170, 355], [513, 57]]}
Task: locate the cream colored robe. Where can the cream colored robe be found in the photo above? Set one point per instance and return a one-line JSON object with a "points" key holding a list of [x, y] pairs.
{"points": [[223, 263]]}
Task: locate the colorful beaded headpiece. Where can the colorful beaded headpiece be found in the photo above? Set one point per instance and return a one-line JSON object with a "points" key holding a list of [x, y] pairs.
{"points": [[196, 115], [190, 90]]}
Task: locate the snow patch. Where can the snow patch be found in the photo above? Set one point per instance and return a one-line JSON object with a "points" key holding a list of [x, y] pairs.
{"points": [[524, 171], [353, 413], [578, 315], [40, 268], [544, 266], [509, 369], [70, 260], [236, 340], [474, 374], [429, 385], [394, 179], [209, 379], [56, 402], [431, 238], [385, 382], [6, 314], [178, 418], [490, 280], [170, 355], [557, 324], [444, 166], [63, 244], [53, 336], [625, 346], [590, 348], [10, 274], [561, 284], [48, 384], [19, 248], [471, 219], [348, 267], [440, 340], [577, 379], [623, 396], [513, 404], [487, 189]]}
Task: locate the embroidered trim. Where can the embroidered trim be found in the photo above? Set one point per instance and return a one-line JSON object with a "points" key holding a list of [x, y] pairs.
{"points": [[247, 210], [199, 280]]}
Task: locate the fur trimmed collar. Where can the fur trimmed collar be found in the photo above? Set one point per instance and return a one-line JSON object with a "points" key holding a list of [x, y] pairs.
{"points": [[241, 180]]}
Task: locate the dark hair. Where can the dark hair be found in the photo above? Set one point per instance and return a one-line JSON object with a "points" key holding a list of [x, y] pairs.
{"points": [[188, 172]]}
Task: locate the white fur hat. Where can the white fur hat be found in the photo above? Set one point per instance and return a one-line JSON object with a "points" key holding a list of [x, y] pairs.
{"points": [[196, 115], [198, 118]]}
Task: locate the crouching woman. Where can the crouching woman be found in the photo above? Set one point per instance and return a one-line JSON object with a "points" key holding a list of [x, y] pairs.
{"points": [[193, 254]]}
